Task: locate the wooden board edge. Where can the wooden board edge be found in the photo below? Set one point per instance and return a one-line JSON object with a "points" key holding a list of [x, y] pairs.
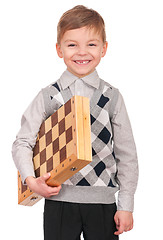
{"points": [[55, 179], [68, 172], [31, 200], [87, 129], [28, 197], [79, 126]]}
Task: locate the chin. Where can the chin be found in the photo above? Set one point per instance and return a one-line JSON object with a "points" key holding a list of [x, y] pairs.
{"points": [[82, 74]]}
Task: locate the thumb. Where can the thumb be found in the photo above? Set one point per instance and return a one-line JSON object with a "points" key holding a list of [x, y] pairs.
{"points": [[116, 219], [120, 230], [46, 176]]}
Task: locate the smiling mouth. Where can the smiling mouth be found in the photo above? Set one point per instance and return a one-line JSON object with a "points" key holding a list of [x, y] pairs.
{"points": [[82, 62]]}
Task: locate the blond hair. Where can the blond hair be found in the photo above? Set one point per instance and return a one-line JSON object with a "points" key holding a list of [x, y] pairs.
{"points": [[80, 16]]}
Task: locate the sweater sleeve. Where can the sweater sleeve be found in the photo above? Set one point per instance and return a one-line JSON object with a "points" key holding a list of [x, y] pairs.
{"points": [[22, 148], [126, 156]]}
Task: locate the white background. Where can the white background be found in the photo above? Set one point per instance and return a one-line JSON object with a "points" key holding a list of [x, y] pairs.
{"points": [[134, 64]]}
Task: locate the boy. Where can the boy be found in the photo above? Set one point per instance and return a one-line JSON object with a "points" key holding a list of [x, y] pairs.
{"points": [[86, 202]]}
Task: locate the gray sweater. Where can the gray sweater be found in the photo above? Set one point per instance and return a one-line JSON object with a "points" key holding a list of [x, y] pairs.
{"points": [[114, 166]]}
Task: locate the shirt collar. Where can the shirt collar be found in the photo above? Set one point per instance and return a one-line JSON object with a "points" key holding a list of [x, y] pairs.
{"points": [[67, 78]]}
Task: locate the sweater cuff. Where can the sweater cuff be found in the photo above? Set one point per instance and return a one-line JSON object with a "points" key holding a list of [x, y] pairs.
{"points": [[25, 174], [125, 202], [25, 168]]}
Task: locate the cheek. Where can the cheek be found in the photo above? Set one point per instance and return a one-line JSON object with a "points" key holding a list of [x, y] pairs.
{"points": [[98, 56], [67, 59], [67, 54], [98, 53]]}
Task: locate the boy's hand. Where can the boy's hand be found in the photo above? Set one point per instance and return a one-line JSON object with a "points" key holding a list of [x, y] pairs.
{"points": [[124, 221], [39, 186]]}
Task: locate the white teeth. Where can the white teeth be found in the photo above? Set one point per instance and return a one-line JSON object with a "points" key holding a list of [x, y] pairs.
{"points": [[82, 62]]}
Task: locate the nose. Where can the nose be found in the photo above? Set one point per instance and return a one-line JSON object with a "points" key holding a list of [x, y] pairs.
{"points": [[82, 50]]}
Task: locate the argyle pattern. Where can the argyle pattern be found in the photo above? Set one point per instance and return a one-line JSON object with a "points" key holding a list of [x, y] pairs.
{"points": [[102, 170]]}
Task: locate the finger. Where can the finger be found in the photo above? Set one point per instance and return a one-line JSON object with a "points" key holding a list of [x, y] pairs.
{"points": [[54, 190], [53, 194], [46, 176], [120, 231], [117, 222], [50, 193], [128, 228]]}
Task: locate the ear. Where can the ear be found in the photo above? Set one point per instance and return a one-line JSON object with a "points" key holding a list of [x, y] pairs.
{"points": [[105, 46], [59, 51]]}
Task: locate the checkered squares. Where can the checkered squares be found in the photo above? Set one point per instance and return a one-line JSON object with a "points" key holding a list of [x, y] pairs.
{"points": [[97, 173], [63, 144], [100, 128], [102, 170], [54, 142]]}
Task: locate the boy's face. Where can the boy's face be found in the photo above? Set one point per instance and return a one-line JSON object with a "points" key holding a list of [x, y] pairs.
{"points": [[82, 50]]}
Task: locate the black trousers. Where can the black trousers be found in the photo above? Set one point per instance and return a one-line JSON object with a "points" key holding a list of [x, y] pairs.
{"points": [[66, 221]]}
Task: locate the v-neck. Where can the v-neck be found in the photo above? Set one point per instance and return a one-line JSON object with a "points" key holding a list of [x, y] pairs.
{"points": [[66, 94]]}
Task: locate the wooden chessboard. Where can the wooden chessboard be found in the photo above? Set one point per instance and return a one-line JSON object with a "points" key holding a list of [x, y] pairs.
{"points": [[63, 146]]}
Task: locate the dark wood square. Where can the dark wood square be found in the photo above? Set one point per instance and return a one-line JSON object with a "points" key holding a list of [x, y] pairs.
{"points": [[68, 135], [48, 137], [54, 119], [37, 172], [42, 130], [61, 126], [23, 187], [63, 154], [67, 107], [50, 164], [56, 146], [42, 156], [36, 149]]}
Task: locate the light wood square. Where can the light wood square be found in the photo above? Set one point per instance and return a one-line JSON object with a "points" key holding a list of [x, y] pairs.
{"points": [[61, 114], [48, 125], [70, 148], [43, 169], [56, 160], [68, 121], [55, 133], [42, 143], [49, 151], [62, 140], [36, 161]]}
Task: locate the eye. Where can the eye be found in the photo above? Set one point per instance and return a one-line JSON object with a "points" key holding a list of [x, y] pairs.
{"points": [[71, 45], [92, 44]]}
